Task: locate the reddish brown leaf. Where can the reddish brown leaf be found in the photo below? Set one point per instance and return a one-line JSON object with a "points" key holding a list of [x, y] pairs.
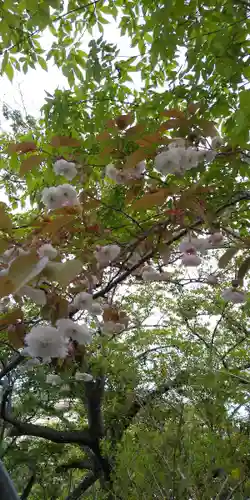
{"points": [[111, 124], [173, 113], [111, 314], [16, 335], [61, 140], [103, 136], [123, 121], [150, 139], [11, 317], [6, 286], [150, 200], [22, 147], [208, 128], [135, 131], [133, 191], [193, 107], [55, 225], [30, 162], [171, 124], [135, 157]]}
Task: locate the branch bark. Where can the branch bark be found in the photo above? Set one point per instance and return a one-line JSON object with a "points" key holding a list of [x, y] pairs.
{"points": [[94, 393], [76, 464], [16, 360], [27, 429], [83, 486], [28, 487]]}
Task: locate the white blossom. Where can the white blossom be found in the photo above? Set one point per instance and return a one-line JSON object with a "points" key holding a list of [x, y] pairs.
{"points": [[192, 244], [65, 168], [53, 379], [83, 301], [70, 329], [111, 172], [138, 170], [83, 377], [38, 296], [168, 162], [52, 198], [68, 195], [47, 250], [190, 260], [187, 245], [179, 142], [45, 342], [234, 295], [121, 176], [207, 155], [191, 158], [96, 309], [215, 238], [106, 254]]}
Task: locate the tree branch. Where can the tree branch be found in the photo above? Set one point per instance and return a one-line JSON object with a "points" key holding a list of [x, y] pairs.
{"points": [[76, 464], [28, 487], [83, 486], [16, 360], [27, 429], [94, 393], [235, 198]]}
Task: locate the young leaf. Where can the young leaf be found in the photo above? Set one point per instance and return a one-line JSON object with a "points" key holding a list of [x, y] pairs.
{"points": [[22, 147], [11, 317], [150, 200], [30, 162], [6, 286], [173, 113], [59, 140]]}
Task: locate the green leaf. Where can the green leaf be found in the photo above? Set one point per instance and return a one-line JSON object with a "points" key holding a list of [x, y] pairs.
{"points": [[243, 269], [9, 71], [42, 63], [227, 256]]}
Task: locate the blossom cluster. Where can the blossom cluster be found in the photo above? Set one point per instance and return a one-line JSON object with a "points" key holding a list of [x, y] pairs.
{"points": [[177, 159], [123, 176], [48, 342], [60, 196]]}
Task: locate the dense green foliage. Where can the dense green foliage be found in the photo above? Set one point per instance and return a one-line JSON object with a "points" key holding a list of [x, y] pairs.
{"points": [[165, 412]]}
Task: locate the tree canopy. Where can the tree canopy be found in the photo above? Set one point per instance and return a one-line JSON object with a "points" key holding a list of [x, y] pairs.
{"points": [[124, 266]]}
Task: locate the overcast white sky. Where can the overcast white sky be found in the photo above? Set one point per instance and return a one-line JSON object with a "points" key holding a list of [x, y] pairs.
{"points": [[34, 84]]}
